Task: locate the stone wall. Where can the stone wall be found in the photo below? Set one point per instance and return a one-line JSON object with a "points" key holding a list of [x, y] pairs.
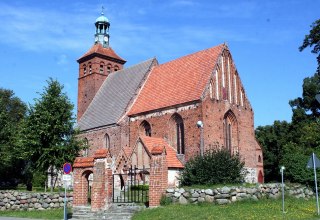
{"points": [[14, 200], [227, 195]]}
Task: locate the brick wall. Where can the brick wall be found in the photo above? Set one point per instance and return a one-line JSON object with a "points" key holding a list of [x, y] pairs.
{"points": [[158, 179], [118, 136], [160, 127]]}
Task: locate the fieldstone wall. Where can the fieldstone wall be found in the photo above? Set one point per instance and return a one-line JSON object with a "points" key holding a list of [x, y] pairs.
{"points": [[227, 195], [14, 200]]}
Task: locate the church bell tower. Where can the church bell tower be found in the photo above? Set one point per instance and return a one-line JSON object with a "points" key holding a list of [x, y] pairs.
{"points": [[96, 64]]}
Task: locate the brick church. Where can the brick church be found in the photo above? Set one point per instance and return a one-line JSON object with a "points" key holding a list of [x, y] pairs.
{"points": [[183, 108]]}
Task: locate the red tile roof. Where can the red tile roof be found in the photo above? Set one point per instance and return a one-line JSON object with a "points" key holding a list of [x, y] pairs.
{"points": [[101, 153], [83, 162], [179, 81], [99, 49], [156, 145]]}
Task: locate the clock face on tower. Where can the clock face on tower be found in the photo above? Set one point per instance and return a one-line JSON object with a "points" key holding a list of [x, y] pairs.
{"points": [[96, 39], [105, 39]]}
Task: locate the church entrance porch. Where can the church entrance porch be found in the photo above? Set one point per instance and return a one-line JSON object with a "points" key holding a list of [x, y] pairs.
{"points": [[131, 186]]}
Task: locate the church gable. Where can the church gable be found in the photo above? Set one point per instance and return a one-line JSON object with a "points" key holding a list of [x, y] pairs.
{"points": [[225, 83]]}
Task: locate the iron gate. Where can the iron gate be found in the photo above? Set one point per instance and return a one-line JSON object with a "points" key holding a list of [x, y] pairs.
{"points": [[131, 186]]}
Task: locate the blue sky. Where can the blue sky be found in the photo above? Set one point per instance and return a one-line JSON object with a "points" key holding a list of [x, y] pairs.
{"points": [[42, 39]]}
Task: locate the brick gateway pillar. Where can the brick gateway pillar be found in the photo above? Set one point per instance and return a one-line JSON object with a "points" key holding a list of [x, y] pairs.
{"points": [[82, 168], [101, 191], [158, 176]]}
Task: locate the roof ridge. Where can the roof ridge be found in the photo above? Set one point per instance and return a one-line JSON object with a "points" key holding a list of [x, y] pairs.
{"points": [[193, 54]]}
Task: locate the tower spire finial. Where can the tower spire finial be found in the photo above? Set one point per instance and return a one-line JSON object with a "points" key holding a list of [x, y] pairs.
{"points": [[102, 10]]}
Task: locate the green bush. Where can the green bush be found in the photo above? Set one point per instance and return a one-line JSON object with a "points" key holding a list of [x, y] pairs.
{"points": [[215, 167], [140, 187]]}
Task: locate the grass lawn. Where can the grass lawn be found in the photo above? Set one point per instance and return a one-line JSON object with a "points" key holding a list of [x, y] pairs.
{"points": [[44, 214], [245, 210]]}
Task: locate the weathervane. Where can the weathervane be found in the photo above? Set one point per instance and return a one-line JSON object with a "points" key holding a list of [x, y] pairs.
{"points": [[102, 9]]}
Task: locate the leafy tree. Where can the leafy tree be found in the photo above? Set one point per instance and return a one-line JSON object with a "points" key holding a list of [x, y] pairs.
{"points": [[216, 166], [313, 40], [12, 112], [307, 107], [49, 138], [273, 138]]}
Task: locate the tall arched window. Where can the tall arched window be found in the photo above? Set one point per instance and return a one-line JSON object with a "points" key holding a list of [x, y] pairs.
{"points": [[211, 89], [145, 128], [86, 145], [230, 132], [107, 141], [177, 133], [109, 68]]}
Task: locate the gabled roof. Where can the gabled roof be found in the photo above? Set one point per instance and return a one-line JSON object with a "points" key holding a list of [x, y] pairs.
{"points": [[177, 82], [98, 49], [156, 145], [113, 97]]}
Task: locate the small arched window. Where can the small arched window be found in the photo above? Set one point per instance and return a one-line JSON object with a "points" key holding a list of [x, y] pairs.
{"points": [[107, 141], [109, 68], [145, 128], [101, 70], [259, 159], [86, 147], [116, 68], [90, 68], [84, 69]]}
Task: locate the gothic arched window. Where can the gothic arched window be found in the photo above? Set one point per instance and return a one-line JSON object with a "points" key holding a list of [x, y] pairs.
{"points": [[230, 132], [145, 128], [107, 141], [177, 133]]}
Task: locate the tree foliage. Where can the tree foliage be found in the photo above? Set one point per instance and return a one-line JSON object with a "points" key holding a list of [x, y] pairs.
{"points": [[12, 112], [216, 166], [48, 136], [273, 139], [313, 40]]}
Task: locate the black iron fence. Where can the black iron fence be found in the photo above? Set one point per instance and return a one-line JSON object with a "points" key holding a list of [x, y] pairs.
{"points": [[131, 186]]}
